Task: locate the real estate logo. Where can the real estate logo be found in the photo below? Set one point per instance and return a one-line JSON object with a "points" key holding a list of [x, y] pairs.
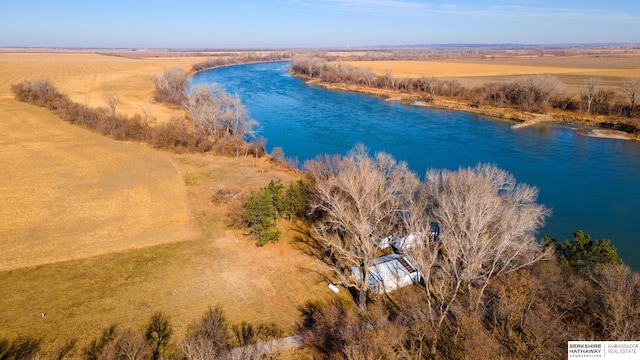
{"points": [[604, 350]]}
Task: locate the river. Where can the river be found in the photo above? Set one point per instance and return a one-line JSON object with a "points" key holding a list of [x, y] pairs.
{"points": [[591, 184]]}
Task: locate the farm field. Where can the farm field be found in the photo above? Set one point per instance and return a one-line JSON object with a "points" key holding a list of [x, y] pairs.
{"points": [[70, 193], [96, 232], [572, 71], [85, 77]]}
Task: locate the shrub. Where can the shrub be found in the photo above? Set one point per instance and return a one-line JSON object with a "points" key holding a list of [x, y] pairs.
{"points": [[133, 129], [174, 136], [171, 85], [40, 92]]}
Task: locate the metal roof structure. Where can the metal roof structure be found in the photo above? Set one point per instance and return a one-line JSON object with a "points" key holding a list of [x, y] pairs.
{"points": [[390, 272]]}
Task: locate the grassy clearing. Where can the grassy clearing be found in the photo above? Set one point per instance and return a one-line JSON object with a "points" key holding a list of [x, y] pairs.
{"points": [[182, 280]]}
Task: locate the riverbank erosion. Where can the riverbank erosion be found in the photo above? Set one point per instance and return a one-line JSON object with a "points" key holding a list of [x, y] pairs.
{"points": [[591, 125]]}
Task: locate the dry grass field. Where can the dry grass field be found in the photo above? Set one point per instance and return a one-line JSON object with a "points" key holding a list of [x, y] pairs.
{"points": [[572, 70], [97, 232], [68, 193], [85, 77]]}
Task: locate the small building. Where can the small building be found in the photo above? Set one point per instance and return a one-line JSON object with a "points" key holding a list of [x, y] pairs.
{"points": [[390, 272], [412, 240]]}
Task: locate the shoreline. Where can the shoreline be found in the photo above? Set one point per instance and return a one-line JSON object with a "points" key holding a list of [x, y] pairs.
{"points": [[522, 119]]}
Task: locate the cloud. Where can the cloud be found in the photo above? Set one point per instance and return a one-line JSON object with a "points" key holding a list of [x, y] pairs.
{"points": [[377, 4], [514, 10], [535, 13]]}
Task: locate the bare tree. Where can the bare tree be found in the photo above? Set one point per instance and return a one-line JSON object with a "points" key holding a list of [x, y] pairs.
{"points": [[618, 308], [388, 80], [132, 346], [591, 87], [631, 87], [364, 76], [312, 66], [487, 223], [545, 86], [146, 110], [204, 107], [356, 199], [244, 127], [428, 84], [112, 99], [207, 339], [533, 92], [466, 228], [441, 282], [158, 333], [171, 85], [277, 154], [337, 330]]}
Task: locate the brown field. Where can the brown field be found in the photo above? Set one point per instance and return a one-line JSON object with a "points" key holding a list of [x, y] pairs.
{"points": [[85, 77], [69, 193], [97, 232], [572, 71]]}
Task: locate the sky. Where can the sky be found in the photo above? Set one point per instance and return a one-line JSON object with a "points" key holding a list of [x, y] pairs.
{"points": [[313, 23]]}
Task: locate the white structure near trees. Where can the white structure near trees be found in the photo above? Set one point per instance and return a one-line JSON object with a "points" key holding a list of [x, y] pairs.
{"points": [[389, 272]]}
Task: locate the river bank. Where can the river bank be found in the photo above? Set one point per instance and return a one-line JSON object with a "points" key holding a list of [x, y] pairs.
{"points": [[589, 124]]}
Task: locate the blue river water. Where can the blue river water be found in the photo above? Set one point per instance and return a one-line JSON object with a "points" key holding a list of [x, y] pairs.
{"points": [[592, 184]]}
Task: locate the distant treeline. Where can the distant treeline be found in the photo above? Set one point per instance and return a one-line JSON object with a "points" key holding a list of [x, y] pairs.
{"points": [[453, 51], [532, 93], [240, 58]]}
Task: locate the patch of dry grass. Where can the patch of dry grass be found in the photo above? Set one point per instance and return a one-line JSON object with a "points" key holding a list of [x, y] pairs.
{"points": [[221, 267], [68, 193], [97, 232], [85, 77]]}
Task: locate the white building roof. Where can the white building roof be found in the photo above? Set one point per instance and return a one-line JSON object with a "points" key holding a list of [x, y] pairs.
{"points": [[390, 272]]}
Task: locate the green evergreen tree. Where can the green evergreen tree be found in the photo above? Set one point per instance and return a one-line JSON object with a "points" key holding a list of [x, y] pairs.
{"points": [[295, 202], [265, 206], [259, 214], [275, 189], [583, 253]]}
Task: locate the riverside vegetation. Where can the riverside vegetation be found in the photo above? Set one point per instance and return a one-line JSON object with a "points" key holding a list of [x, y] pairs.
{"points": [[520, 98], [482, 292], [220, 123]]}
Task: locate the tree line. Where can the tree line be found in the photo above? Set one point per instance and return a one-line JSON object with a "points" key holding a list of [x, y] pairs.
{"points": [[216, 121], [426, 53], [532, 93], [489, 289], [240, 58]]}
